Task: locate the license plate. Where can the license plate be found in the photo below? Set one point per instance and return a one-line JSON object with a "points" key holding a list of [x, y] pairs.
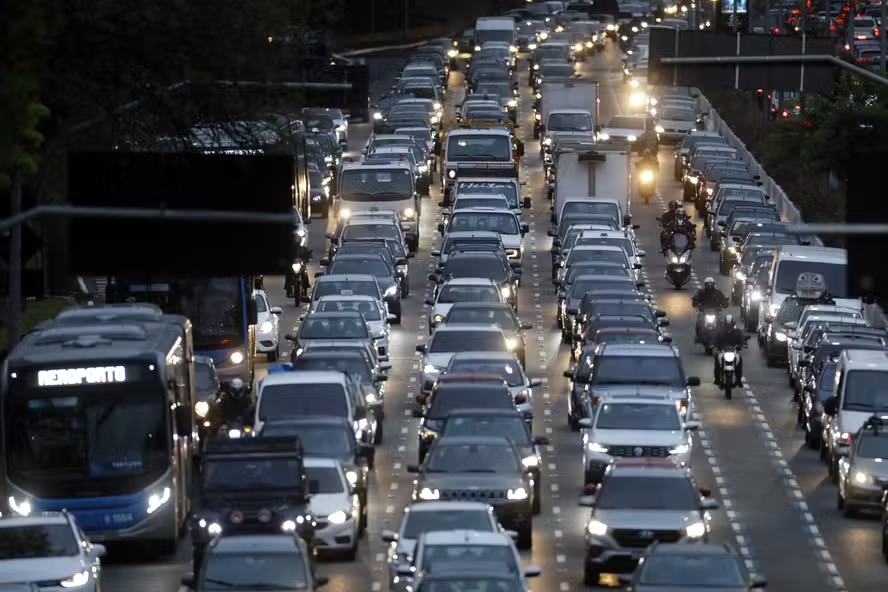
{"points": [[119, 518]]}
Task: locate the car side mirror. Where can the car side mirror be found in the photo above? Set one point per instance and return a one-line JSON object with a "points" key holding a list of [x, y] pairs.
{"points": [[691, 426], [276, 310], [441, 204], [541, 441], [188, 580], [293, 336], [552, 233], [436, 253], [413, 469], [659, 313], [525, 228], [388, 536], [534, 382], [330, 236], [385, 366], [532, 572], [433, 277], [640, 253], [429, 301], [707, 503], [321, 581], [401, 261], [569, 374], [319, 274], [305, 299], [693, 381], [526, 203], [325, 262], [440, 228], [757, 582], [520, 149], [831, 405], [99, 550], [663, 322], [585, 423], [391, 319]]}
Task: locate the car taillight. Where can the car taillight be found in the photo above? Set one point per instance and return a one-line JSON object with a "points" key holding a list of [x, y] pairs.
{"points": [[520, 399]]}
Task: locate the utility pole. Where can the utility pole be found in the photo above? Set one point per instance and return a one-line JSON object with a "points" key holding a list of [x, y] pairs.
{"points": [[406, 19], [882, 39], [14, 301]]}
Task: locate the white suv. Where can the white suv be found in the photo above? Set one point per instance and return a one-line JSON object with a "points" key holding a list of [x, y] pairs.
{"points": [[49, 547]]}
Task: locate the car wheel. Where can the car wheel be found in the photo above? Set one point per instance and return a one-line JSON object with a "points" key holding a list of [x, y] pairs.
{"points": [[272, 356], [591, 576], [352, 553], [525, 538], [377, 437]]}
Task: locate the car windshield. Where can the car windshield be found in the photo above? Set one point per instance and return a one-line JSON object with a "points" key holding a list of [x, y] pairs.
{"points": [[835, 275], [421, 134], [636, 123], [591, 208], [324, 480], [637, 416], [508, 190], [866, 390], [485, 316], [317, 440], [582, 285], [639, 309], [354, 366], [369, 310], [594, 255], [479, 147], [475, 267], [740, 194], [315, 179], [459, 341], [509, 370], [472, 458], [419, 522], [556, 70], [354, 232], [647, 493], [694, 570], [37, 541], [657, 370], [320, 123], [373, 184], [623, 243], [229, 473], [374, 266], [670, 113], [626, 337], [254, 571], [468, 203], [333, 327], [333, 287], [502, 89], [451, 293], [499, 222], [511, 426], [581, 122], [461, 555], [454, 396], [281, 401]]}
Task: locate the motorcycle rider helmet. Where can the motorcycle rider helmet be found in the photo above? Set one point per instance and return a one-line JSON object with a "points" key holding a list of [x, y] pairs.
{"points": [[237, 387], [646, 153], [673, 205], [680, 214], [709, 283], [730, 323]]}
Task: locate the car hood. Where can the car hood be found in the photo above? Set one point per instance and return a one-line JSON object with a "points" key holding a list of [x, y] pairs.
{"points": [[622, 132], [511, 241], [627, 389], [647, 519], [438, 360], [377, 326], [405, 548], [42, 569], [470, 481], [677, 124], [638, 437], [324, 504], [315, 342]]}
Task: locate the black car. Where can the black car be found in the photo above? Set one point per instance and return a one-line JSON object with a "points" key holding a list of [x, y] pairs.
{"points": [[480, 468], [328, 437], [251, 486], [393, 252], [569, 304], [482, 265], [487, 313], [686, 566], [451, 393], [510, 425], [378, 267]]}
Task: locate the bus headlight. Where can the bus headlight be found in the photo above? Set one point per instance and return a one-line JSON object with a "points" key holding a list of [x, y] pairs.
{"points": [[156, 500], [20, 507], [201, 408], [236, 357]]}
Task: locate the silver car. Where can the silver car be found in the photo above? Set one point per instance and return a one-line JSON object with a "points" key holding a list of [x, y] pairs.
{"points": [[370, 308], [447, 341], [461, 290], [504, 364]]}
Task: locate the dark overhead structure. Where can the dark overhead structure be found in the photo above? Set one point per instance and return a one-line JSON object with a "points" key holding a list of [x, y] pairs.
{"points": [[707, 59]]}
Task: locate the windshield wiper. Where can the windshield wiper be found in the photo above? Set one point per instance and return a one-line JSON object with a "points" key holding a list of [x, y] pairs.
{"points": [[478, 471]]}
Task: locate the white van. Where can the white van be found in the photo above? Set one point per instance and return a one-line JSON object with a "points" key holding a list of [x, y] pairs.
{"points": [[858, 393], [791, 260]]}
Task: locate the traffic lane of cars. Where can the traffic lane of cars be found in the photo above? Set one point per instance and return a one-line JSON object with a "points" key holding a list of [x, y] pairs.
{"points": [[569, 444], [773, 523], [854, 543]]}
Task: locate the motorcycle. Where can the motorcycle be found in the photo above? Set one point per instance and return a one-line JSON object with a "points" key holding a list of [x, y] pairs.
{"points": [[296, 284], [728, 362], [678, 261], [647, 183], [230, 413], [708, 329]]}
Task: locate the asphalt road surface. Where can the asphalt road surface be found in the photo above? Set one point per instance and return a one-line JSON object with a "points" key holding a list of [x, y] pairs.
{"points": [[777, 504]]}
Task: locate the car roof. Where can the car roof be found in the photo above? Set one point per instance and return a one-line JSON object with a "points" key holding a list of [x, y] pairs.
{"points": [[469, 537], [40, 519], [333, 314], [321, 461], [276, 543], [347, 277], [469, 281], [637, 349], [321, 420], [474, 305], [439, 506], [347, 298], [304, 377], [472, 411], [468, 327], [648, 468], [483, 355], [692, 549]]}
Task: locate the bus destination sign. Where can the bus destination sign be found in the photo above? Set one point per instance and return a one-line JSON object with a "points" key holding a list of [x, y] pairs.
{"points": [[82, 376]]}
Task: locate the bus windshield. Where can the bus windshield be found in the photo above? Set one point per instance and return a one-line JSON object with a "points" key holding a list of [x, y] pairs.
{"points": [[479, 147], [82, 435]]}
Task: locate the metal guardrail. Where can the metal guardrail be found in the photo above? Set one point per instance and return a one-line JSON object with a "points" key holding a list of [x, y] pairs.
{"points": [[788, 210]]}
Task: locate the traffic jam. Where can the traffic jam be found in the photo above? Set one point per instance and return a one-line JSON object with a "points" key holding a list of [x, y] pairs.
{"points": [[540, 344]]}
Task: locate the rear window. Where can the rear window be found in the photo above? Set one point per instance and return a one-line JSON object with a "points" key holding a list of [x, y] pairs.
{"points": [[281, 401], [457, 341], [468, 396]]}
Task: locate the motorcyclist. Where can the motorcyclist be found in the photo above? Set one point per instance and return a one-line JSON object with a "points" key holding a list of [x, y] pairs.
{"points": [[680, 224], [667, 218], [708, 298], [234, 402], [648, 161], [728, 338], [301, 257]]}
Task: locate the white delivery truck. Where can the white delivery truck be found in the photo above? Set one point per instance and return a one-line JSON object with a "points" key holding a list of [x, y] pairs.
{"points": [[566, 106], [496, 28], [599, 174]]}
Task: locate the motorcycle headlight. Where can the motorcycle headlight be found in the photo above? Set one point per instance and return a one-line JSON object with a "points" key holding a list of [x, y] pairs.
{"points": [[756, 295], [506, 291], [201, 408], [633, 83], [729, 356], [377, 116], [530, 462], [513, 103], [685, 257], [513, 48], [659, 129], [429, 494], [646, 176], [512, 343], [371, 398], [531, 46], [352, 477], [739, 276], [452, 53], [345, 213], [780, 336], [547, 141], [437, 319], [710, 318], [296, 267], [477, 48], [390, 291], [236, 357], [266, 327], [79, 579]]}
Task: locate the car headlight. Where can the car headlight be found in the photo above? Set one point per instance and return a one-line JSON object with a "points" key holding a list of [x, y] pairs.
{"points": [[345, 213], [780, 336], [578, 47], [390, 291], [201, 408], [437, 319], [409, 213], [296, 267], [352, 477], [862, 478], [371, 398], [547, 141], [631, 138], [544, 35], [434, 120], [422, 168], [477, 48], [695, 530], [530, 462], [266, 327], [512, 343], [506, 291], [531, 46], [596, 528], [596, 447], [156, 500], [429, 369], [214, 529], [452, 53], [513, 103], [337, 517], [692, 180], [729, 356], [377, 116], [451, 174], [519, 493], [589, 44], [429, 494], [624, 38], [659, 129], [236, 357], [536, 66], [22, 508], [611, 27], [340, 128], [77, 580], [604, 136], [739, 276], [680, 449], [288, 526]]}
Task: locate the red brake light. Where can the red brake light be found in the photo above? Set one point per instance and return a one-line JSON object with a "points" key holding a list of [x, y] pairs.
{"points": [[236, 517], [590, 488], [520, 399], [705, 492], [421, 399]]}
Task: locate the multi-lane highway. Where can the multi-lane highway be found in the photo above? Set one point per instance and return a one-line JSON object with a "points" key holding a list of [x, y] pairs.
{"points": [[777, 505]]}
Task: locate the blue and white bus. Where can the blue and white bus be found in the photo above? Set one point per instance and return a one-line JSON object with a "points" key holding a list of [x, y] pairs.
{"points": [[222, 313], [98, 419]]}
